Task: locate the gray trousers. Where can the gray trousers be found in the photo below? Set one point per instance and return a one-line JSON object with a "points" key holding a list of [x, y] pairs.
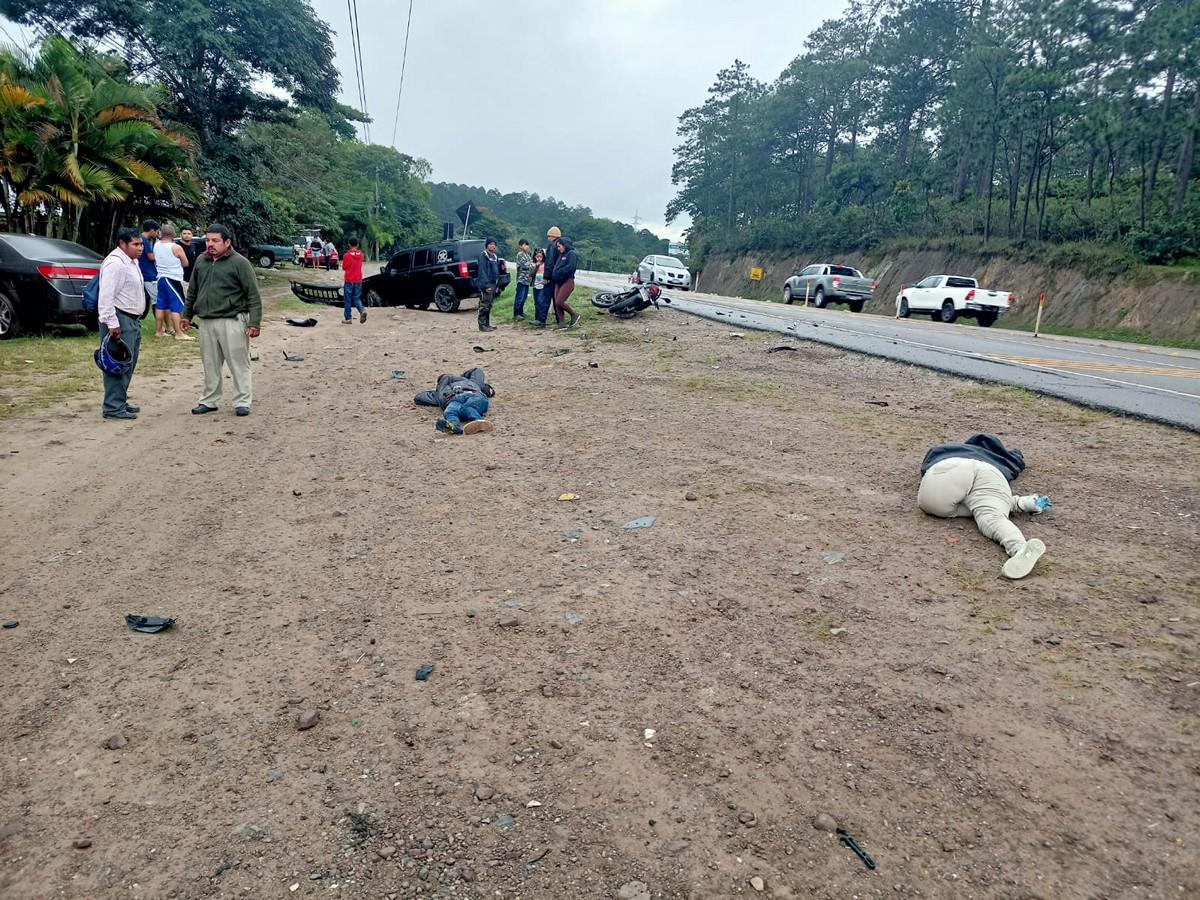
{"points": [[116, 387], [486, 297], [225, 342], [971, 487]]}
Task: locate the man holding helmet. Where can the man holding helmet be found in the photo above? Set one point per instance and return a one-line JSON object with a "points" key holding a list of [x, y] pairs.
{"points": [[122, 305]]}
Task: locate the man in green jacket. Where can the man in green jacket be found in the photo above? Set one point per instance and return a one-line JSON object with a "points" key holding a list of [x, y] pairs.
{"points": [[223, 293]]}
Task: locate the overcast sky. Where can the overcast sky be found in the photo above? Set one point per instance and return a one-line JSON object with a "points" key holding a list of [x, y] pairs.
{"points": [[580, 104]]}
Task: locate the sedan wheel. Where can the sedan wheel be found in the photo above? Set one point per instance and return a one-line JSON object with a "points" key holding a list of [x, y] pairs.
{"points": [[904, 307], [787, 295], [10, 324]]}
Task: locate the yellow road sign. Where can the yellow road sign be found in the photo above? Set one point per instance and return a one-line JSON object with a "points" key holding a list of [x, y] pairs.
{"points": [[756, 273]]}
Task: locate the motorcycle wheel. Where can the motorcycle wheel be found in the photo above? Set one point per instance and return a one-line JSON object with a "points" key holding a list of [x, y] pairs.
{"points": [[605, 300]]}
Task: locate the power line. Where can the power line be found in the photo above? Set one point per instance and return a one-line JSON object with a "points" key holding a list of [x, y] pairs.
{"points": [[356, 41], [403, 64]]}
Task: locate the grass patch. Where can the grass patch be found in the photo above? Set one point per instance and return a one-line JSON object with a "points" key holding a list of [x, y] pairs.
{"points": [[44, 370], [737, 389], [1028, 401]]}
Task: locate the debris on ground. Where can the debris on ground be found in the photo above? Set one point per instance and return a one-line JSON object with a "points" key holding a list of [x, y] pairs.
{"points": [[877, 403], [11, 623], [833, 556], [293, 357], [116, 742], [424, 672], [845, 838], [783, 347], [308, 719], [302, 323], [148, 624], [567, 498], [398, 375], [643, 522], [825, 822], [479, 349]]}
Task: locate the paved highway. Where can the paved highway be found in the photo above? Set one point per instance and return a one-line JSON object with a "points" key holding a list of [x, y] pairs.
{"points": [[1149, 382]]}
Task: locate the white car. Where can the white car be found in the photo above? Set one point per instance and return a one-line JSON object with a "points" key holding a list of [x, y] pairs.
{"points": [[664, 270], [946, 297]]}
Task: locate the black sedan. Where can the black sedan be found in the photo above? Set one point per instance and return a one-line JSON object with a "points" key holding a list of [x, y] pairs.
{"points": [[42, 281]]}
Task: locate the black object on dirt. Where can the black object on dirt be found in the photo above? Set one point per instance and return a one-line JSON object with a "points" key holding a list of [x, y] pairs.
{"points": [[424, 672], [11, 623], [398, 375], [845, 838], [303, 323], [293, 357], [479, 349], [784, 347], [148, 624], [593, 365], [877, 403]]}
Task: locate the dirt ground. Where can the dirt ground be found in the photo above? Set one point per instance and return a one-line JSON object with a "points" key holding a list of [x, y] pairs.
{"points": [[799, 638]]}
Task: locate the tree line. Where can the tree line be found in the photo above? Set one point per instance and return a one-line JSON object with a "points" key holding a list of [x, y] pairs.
{"points": [[1013, 121]]}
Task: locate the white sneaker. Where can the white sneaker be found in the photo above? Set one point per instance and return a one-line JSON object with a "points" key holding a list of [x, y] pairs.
{"points": [[1022, 564]]}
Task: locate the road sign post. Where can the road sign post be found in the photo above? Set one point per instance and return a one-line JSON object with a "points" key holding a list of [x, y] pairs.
{"points": [[1037, 326], [807, 286]]}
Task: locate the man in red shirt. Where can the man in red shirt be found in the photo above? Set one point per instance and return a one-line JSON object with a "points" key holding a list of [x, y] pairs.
{"points": [[352, 265]]}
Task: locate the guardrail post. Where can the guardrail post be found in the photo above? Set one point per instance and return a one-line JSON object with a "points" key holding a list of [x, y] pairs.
{"points": [[1037, 327]]}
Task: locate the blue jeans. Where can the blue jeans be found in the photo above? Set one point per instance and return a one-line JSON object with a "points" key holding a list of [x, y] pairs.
{"points": [[519, 300], [541, 302], [116, 387], [353, 295], [466, 408]]}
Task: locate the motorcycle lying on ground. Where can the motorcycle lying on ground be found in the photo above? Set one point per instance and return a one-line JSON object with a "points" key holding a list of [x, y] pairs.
{"points": [[628, 303]]}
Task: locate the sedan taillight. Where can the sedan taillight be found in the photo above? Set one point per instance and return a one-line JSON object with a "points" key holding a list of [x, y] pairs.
{"points": [[68, 273]]}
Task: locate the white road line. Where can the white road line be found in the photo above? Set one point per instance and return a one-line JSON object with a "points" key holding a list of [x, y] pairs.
{"points": [[967, 353]]}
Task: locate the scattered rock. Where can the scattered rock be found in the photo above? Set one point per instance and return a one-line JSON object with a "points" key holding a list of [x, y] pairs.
{"points": [[116, 742], [690, 497], [308, 719], [472, 612], [820, 745], [834, 632], [209, 740], [386, 852], [649, 734], [757, 883], [678, 846], [484, 792], [833, 556], [573, 618], [250, 832], [81, 843], [11, 623], [557, 745], [825, 822], [748, 819], [505, 822], [633, 890], [274, 775], [508, 621]]}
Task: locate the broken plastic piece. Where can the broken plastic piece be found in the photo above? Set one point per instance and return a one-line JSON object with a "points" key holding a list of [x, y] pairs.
{"points": [[568, 497], [845, 838], [148, 624], [293, 357], [302, 323], [398, 374], [643, 522], [424, 672]]}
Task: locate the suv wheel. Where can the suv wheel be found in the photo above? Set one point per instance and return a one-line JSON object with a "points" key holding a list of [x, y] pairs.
{"points": [[904, 307], [856, 306], [819, 298], [445, 298], [373, 298], [948, 313], [265, 260]]}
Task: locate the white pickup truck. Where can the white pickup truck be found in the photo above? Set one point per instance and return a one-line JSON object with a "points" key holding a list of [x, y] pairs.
{"points": [[946, 297]]}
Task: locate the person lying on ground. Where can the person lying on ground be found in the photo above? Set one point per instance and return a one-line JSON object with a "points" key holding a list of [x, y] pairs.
{"points": [[463, 400], [971, 479]]}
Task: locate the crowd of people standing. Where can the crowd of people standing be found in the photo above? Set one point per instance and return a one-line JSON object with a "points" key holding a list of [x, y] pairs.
{"points": [[549, 275]]}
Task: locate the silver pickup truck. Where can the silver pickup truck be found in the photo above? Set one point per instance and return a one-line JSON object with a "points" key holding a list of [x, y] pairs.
{"points": [[825, 283]]}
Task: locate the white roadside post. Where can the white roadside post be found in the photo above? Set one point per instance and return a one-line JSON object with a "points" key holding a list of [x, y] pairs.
{"points": [[807, 288], [1037, 327]]}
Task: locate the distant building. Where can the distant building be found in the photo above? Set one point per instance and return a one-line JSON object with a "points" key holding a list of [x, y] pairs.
{"points": [[677, 250]]}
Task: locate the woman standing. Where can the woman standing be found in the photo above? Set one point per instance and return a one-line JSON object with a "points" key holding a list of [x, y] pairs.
{"points": [[541, 288], [171, 262], [564, 282]]}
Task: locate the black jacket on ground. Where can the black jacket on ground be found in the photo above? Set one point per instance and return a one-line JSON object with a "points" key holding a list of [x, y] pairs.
{"points": [[551, 259], [489, 271], [565, 265], [984, 447], [450, 386]]}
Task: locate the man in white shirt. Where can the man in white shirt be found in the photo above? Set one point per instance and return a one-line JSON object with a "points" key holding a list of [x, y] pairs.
{"points": [[121, 309]]}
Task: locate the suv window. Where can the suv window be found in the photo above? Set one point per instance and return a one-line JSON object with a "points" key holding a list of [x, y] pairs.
{"points": [[420, 258], [960, 282], [811, 270], [844, 271], [401, 262]]}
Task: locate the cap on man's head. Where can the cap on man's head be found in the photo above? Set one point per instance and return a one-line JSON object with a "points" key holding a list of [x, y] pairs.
{"points": [[553, 232]]}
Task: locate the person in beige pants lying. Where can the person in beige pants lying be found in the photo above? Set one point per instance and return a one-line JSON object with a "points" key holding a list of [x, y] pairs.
{"points": [[972, 479]]}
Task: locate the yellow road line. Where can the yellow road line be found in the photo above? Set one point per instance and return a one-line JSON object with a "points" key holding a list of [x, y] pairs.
{"points": [[1122, 368]]}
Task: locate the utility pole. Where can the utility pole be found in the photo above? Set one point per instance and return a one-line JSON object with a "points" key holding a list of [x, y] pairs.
{"points": [[637, 220]]}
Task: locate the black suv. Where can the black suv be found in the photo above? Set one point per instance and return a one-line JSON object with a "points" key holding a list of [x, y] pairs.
{"points": [[442, 274]]}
